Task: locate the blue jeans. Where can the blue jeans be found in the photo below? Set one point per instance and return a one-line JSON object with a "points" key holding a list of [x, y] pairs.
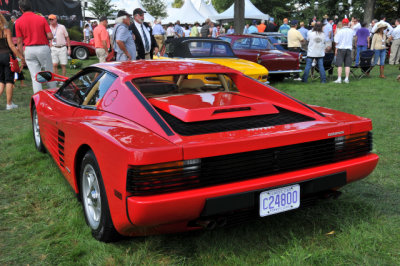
{"points": [[360, 48], [381, 55], [320, 62]]}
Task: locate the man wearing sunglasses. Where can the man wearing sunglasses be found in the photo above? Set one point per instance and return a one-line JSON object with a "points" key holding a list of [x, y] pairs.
{"points": [[60, 45]]}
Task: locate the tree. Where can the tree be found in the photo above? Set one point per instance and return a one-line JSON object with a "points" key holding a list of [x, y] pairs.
{"points": [[177, 3], [101, 8], [155, 7]]}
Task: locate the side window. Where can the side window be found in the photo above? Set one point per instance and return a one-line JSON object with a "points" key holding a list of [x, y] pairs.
{"points": [[259, 43], [242, 44], [99, 89], [76, 89]]}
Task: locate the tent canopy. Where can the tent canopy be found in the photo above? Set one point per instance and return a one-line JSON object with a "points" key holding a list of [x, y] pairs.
{"points": [[250, 12], [187, 14], [206, 10]]}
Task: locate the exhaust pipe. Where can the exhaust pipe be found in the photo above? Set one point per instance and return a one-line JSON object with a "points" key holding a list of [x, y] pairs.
{"points": [[333, 194], [207, 224]]}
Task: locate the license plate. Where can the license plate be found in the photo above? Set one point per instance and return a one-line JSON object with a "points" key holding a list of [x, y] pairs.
{"points": [[279, 200]]}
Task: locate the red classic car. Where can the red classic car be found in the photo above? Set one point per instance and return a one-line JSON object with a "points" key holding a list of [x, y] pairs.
{"points": [[150, 148], [258, 49], [79, 50]]}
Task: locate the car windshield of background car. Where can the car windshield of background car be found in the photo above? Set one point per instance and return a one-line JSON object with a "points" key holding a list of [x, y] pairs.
{"points": [[183, 84], [210, 49]]}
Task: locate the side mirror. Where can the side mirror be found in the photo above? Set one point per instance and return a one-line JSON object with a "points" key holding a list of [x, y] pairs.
{"points": [[47, 76], [44, 76]]}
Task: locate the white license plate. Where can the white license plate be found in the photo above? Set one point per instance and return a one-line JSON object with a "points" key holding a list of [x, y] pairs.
{"points": [[279, 200]]}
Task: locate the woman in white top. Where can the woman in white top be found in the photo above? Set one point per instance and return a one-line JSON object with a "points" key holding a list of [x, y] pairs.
{"points": [[316, 50], [170, 31]]}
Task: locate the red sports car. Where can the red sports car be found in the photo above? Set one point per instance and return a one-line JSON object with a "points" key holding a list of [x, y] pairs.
{"points": [[280, 64], [149, 148], [81, 50]]}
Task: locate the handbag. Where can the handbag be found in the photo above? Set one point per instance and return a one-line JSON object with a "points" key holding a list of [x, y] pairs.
{"points": [[14, 65], [112, 55]]}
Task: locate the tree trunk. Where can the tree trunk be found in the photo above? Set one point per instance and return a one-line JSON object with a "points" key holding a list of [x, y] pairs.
{"points": [[369, 10], [239, 16]]}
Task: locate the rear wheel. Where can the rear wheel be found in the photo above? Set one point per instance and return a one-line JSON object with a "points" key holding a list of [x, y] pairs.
{"points": [[94, 200], [36, 131], [80, 53]]}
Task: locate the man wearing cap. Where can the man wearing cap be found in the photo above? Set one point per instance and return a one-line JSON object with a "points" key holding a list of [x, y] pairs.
{"points": [[101, 40], [295, 39], [33, 31], [253, 28], [344, 45], [124, 45], [146, 45], [60, 45], [271, 27]]}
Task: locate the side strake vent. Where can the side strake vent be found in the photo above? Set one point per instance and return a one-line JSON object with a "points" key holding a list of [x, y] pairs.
{"points": [[221, 125], [61, 141]]}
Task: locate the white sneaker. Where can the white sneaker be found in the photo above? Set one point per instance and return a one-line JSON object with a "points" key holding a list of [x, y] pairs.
{"points": [[297, 79], [11, 106], [338, 81], [346, 81]]}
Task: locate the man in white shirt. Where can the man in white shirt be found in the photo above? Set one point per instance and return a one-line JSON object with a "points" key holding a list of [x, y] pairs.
{"points": [[328, 31], [344, 45], [395, 48], [355, 26]]}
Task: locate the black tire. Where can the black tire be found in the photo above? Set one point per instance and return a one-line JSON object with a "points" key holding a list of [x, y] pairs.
{"points": [[80, 53], [37, 138], [97, 212]]}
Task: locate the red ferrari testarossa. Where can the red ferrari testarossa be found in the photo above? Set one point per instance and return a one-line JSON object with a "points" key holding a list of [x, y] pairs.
{"points": [[151, 147]]}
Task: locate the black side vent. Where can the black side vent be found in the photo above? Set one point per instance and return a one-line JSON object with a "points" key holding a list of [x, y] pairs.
{"points": [[61, 141], [221, 125]]}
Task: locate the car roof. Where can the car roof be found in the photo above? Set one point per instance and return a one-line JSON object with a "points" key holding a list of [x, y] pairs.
{"points": [[147, 68]]}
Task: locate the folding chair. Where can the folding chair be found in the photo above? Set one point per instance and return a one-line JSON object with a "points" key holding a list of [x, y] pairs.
{"points": [[365, 66], [328, 66]]}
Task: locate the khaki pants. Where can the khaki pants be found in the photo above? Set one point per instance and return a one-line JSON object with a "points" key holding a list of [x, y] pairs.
{"points": [[159, 40], [147, 56], [101, 54], [395, 52]]}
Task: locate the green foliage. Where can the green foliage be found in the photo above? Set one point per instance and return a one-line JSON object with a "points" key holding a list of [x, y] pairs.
{"points": [[222, 5], [155, 7], [75, 63], [75, 33], [177, 3], [101, 8], [42, 223]]}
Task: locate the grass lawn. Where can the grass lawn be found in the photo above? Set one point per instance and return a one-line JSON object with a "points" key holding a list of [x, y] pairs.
{"points": [[41, 222]]}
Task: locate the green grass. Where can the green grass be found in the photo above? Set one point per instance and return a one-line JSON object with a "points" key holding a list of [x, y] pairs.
{"points": [[41, 222]]}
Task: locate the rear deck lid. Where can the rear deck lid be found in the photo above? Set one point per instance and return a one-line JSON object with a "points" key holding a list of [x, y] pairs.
{"points": [[212, 106]]}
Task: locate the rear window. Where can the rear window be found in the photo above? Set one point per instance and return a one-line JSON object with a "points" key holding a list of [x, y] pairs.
{"points": [[210, 49], [183, 84]]}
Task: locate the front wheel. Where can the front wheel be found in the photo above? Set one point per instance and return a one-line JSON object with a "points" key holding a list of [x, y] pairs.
{"points": [[94, 200], [36, 131]]}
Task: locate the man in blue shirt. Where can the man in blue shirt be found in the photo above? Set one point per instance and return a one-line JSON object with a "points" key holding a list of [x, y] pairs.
{"points": [[178, 30], [253, 27], [158, 33], [124, 44]]}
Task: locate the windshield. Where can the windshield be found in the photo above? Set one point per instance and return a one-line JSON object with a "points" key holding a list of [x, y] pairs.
{"points": [[183, 84]]}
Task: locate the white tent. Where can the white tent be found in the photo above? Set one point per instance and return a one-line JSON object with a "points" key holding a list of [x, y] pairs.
{"points": [[187, 14], [250, 12], [206, 10], [130, 5]]}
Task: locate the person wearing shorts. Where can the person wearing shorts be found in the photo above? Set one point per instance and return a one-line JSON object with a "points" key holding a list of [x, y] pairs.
{"points": [[60, 45], [344, 45]]}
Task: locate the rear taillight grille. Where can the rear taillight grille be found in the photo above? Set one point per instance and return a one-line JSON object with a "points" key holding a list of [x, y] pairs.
{"points": [[242, 166]]}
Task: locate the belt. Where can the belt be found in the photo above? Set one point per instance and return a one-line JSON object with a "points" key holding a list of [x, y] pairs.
{"points": [[59, 46], [37, 45]]}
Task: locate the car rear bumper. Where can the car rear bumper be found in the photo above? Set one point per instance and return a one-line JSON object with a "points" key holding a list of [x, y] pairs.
{"points": [[172, 212]]}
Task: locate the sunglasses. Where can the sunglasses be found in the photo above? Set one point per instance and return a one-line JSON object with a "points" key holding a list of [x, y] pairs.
{"points": [[51, 19]]}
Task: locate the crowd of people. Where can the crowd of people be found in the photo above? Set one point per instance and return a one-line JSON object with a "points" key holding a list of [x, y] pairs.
{"points": [[44, 44]]}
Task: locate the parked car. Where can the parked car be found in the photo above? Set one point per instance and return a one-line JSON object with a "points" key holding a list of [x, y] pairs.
{"points": [[280, 42], [149, 148], [211, 50], [79, 50], [280, 64]]}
